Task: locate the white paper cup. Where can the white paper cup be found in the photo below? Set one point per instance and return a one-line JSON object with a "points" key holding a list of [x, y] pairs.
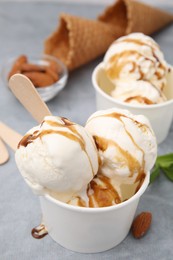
{"points": [[159, 115], [89, 230]]}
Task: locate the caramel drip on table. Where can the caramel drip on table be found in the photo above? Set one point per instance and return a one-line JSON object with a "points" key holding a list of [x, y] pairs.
{"points": [[73, 135], [39, 231]]}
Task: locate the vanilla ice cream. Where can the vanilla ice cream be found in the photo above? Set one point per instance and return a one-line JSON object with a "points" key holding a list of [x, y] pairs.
{"points": [[58, 156], [126, 144], [127, 151], [137, 92], [133, 58], [91, 166]]}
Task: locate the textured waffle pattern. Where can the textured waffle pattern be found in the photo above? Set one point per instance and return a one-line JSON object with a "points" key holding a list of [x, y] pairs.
{"points": [[134, 16], [78, 41]]}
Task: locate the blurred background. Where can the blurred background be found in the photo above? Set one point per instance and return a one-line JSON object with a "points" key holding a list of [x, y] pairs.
{"points": [[154, 2]]}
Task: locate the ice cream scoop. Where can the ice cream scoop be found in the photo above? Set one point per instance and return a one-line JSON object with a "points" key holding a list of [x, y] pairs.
{"points": [[136, 58], [126, 145], [137, 92], [57, 156]]}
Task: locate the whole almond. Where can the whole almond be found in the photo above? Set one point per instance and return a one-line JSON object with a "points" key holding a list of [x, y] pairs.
{"points": [[16, 68], [29, 67], [40, 79], [141, 224], [52, 73]]}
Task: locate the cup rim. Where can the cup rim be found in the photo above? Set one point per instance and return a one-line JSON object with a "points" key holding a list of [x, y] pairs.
{"points": [[101, 209], [115, 101]]}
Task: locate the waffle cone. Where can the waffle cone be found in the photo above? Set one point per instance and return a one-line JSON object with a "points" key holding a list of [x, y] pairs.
{"points": [[134, 16], [78, 41]]}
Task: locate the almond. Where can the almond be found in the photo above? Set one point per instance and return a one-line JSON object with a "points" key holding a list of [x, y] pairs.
{"points": [[39, 79], [53, 66], [141, 224], [52, 73], [16, 68], [29, 67]]}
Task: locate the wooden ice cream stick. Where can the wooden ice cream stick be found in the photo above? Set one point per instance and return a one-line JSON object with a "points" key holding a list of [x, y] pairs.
{"points": [[4, 155], [9, 136], [26, 93]]}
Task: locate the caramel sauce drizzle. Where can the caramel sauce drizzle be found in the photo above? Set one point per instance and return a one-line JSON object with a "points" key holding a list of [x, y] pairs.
{"points": [[114, 71], [39, 231], [139, 42], [133, 164], [27, 139], [158, 75], [118, 66], [80, 202], [103, 194], [142, 100], [143, 127], [73, 135]]}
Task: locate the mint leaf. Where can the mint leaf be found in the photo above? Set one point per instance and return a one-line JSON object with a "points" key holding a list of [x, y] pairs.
{"points": [[165, 158], [155, 172], [166, 164], [169, 173], [167, 168]]}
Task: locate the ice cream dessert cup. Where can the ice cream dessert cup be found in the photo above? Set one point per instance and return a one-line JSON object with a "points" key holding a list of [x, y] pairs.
{"points": [[160, 115], [134, 75], [89, 230], [89, 179]]}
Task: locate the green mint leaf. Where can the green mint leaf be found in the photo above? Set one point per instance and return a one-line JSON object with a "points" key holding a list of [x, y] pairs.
{"points": [[154, 173], [168, 172], [165, 158], [166, 164]]}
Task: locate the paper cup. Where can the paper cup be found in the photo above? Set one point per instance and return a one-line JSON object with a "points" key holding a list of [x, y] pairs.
{"points": [[159, 115], [89, 230]]}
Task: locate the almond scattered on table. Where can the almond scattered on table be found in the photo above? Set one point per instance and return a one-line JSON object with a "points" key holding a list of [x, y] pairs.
{"points": [[40, 75], [141, 224]]}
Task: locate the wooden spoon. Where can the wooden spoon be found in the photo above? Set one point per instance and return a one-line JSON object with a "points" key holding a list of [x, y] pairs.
{"points": [[9, 136], [26, 93], [4, 155]]}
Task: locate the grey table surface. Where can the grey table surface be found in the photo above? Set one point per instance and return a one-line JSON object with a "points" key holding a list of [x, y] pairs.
{"points": [[23, 28]]}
